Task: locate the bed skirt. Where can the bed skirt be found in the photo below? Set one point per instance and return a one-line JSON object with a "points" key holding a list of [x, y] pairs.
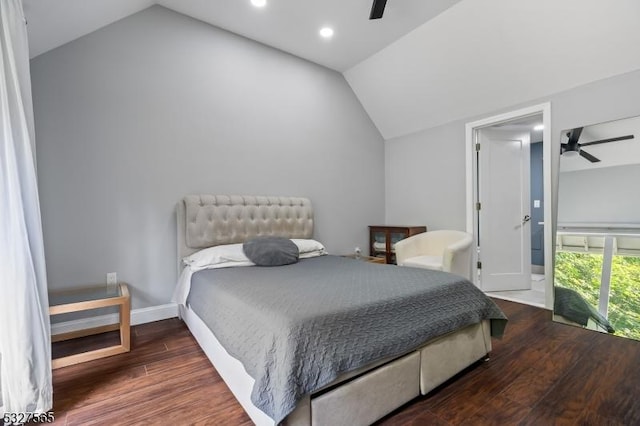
{"points": [[362, 396]]}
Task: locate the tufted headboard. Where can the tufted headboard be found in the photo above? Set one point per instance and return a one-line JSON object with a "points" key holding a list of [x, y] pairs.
{"points": [[210, 220]]}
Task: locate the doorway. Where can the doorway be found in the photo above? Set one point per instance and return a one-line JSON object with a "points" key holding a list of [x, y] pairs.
{"points": [[500, 210]]}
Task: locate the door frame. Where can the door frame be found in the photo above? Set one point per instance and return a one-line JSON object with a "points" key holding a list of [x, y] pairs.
{"points": [[472, 176]]}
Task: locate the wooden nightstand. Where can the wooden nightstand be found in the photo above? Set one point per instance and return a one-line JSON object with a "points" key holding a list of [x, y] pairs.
{"points": [[383, 237], [371, 259], [84, 299]]}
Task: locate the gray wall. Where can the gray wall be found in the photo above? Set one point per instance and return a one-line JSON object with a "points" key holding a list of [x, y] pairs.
{"points": [[607, 194], [137, 114], [425, 178], [425, 171]]}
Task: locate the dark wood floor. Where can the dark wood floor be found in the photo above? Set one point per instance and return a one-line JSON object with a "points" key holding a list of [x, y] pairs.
{"points": [[540, 373]]}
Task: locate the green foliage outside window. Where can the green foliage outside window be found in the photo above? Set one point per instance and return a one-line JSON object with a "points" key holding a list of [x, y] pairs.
{"points": [[582, 272]]}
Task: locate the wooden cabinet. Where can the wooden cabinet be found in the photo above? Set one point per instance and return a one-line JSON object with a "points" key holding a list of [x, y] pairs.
{"points": [[382, 238]]}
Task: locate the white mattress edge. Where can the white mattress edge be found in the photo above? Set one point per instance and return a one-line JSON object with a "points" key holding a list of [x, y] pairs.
{"points": [[230, 369]]}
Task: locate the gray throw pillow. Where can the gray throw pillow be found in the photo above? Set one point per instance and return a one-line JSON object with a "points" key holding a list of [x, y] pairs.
{"points": [[271, 251]]}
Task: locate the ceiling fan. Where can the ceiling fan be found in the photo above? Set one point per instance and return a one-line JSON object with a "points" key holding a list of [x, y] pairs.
{"points": [[573, 147], [377, 9]]}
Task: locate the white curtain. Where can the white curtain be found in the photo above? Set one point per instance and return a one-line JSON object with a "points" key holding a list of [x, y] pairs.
{"points": [[25, 348]]}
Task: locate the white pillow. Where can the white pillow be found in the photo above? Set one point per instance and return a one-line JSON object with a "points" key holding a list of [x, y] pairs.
{"points": [[224, 256], [309, 248], [218, 257], [228, 255]]}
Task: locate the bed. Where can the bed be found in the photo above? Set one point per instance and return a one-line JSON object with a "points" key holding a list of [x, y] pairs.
{"points": [[318, 342]]}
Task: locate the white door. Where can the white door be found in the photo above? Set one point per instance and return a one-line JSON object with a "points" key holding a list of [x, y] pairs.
{"points": [[504, 237]]}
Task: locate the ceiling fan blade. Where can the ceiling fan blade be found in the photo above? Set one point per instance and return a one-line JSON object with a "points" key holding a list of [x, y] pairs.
{"points": [[574, 135], [377, 9], [589, 157], [619, 138]]}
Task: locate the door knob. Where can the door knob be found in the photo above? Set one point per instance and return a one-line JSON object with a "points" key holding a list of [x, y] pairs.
{"points": [[526, 219]]}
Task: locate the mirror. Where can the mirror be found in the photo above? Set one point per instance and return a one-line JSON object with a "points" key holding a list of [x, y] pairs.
{"points": [[597, 262]]}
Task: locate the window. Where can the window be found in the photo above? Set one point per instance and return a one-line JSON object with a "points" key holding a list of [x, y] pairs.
{"points": [[605, 270]]}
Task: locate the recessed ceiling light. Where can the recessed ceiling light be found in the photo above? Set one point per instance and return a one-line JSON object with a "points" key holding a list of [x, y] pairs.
{"points": [[538, 127], [326, 32], [259, 3]]}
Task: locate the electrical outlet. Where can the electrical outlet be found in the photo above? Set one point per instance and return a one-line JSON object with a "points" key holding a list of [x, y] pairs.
{"points": [[112, 278]]}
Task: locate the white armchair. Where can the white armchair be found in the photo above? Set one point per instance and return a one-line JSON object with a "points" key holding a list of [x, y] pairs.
{"points": [[444, 250]]}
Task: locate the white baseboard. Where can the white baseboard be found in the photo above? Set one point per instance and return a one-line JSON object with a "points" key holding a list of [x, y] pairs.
{"points": [[138, 316], [154, 313]]}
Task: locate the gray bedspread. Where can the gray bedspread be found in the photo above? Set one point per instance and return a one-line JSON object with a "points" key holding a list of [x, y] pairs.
{"points": [[295, 328]]}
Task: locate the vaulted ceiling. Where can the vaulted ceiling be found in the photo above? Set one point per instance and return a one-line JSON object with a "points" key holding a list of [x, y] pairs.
{"points": [[289, 25], [424, 64], [484, 55]]}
